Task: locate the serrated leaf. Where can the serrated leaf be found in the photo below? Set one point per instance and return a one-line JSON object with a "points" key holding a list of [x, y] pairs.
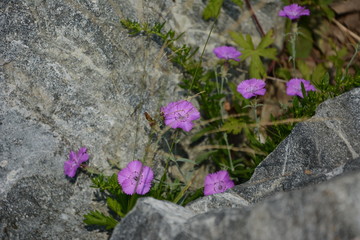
{"points": [[114, 205], [257, 69], [267, 40], [246, 53], [249, 41], [239, 39], [267, 52], [233, 126], [212, 9], [98, 218]]}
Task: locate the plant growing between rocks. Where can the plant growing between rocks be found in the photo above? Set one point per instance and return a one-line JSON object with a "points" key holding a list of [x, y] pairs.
{"points": [[225, 129]]}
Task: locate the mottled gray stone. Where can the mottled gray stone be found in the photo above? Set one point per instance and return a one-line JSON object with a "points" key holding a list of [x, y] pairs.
{"points": [[71, 76], [325, 146], [152, 219], [329, 211], [224, 200]]}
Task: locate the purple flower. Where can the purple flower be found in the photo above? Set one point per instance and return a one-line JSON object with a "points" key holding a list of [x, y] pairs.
{"points": [[74, 162], [293, 87], [294, 11], [135, 178], [217, 182], [227, 53], [180, 114], [251, 88]]}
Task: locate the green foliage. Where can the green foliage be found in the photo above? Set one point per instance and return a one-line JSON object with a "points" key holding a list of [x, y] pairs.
{"points": [[100, 219], [237, 140], [180, 55], [213, 7], [257, 69], [303, 44], [117, 201]]}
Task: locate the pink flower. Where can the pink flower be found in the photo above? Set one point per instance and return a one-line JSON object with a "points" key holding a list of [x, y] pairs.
{"points": [[217, 182], [251, 88], [74, 162], [227, 53], [135, 178], [293, 87], [180, 114], [294, 11]]}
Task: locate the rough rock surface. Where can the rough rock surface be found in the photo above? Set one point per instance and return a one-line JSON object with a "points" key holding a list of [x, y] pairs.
{"points": [[326, 211], [153, 219], [289, 196], [71, 76], [316, 150]]}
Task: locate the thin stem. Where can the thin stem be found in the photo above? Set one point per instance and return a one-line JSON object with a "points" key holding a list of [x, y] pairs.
{"points": [[357, 48], [229, 153], [202, 54], [294, 33]]}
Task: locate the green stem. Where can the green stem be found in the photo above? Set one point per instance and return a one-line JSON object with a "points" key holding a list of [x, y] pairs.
{"points": [[294, 33], [229, 153]]}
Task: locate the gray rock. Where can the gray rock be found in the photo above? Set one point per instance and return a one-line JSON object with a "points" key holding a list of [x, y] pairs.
{"points": [[70, 76], [325, 146], [326, 211], [224, 200], [152, 219]]}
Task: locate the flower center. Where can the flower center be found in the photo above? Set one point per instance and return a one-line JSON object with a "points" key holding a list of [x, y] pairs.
{"points": [[137, 177], [219, 186], [250, 89], [181, 116]]}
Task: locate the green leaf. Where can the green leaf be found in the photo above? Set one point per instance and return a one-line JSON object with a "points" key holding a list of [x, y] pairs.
{"points": [[249, 41], [246, 53], [318, 74], [204, 156], [303, 44], [185, 160], [304, 69], [267, 40], [267, 52], [114, 205], [240, 3], [233, 126], [240, 40], [257, 69], [98, 218], [212, 9]]}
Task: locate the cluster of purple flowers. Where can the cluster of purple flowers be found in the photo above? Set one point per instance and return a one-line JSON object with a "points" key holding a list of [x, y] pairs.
{"points": [[254, 87], [137, 178]]}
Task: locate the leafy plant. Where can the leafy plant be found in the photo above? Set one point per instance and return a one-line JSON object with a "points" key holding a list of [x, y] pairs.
{"points": [[256, 68]]}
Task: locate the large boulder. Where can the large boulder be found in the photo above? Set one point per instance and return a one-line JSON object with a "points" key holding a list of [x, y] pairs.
{"points": [[326, 211], [71, 76]]}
